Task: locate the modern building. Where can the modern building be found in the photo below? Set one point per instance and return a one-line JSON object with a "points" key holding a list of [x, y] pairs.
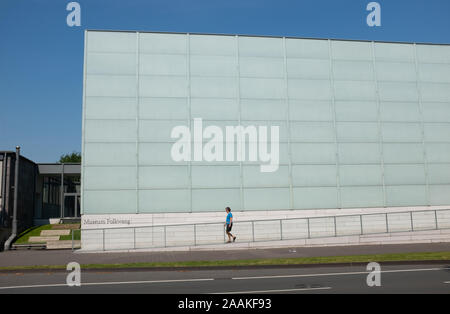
{"points": [[363, 126], [46, 192]]}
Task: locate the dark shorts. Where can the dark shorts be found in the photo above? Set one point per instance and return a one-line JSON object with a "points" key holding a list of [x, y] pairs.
{"points": [[229, 227]]}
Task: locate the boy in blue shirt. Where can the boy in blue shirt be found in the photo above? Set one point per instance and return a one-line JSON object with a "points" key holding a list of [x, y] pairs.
{"points": [[229, 225]]}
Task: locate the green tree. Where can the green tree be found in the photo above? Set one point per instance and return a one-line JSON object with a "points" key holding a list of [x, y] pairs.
{"points": [[72, 157]]}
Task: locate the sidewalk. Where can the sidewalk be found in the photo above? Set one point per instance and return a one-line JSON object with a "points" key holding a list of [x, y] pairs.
{"points": [[63, 257]]}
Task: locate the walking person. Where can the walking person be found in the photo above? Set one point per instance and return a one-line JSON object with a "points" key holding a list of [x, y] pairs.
{"points": [[229, 225]]}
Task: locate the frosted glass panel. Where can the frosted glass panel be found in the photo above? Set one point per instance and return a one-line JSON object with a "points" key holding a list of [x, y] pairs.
{"points": [[356, 110], [391, 51], [401, 132], [212, 45], [111, 63], [213, 87], [261, 47], [435, 92], [351, 70], [261, 67], [309, 89], [162, 86], [304, 110], [307, 48], [404, 174], [162, 65], [403, 153], [215, 176], [253, 177], [437, 132], [262, 88], [110, 107], [359, 153], [357, 132], [313, 153], [162, 43], [371, 196], [110, 130], [355, 175], [109, 154], [156, 154], [397, 91], [354, 90], [406, 195], [348, 50], [264, 109], [314, 175], [112, 86], [157, 131], [351, 114], [151, 177], [215, 108], [213, 66], [109, 178], [109, 202], [312, 131], [315, 197], [439, 173], [436, 112], [308, 68], [400, 111], [163, 108], [434, 73], [396, 71], [438, 152], [164, 201], [215, 199], [440, 194], [275, 198], [432, 53], [111, 41]]}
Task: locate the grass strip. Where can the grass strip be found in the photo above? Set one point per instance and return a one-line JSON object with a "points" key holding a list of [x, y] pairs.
{"points": [[424, 256], [31, 232]]}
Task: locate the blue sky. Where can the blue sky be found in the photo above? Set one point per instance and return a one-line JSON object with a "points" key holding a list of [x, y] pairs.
{"points": [[41, 58]]}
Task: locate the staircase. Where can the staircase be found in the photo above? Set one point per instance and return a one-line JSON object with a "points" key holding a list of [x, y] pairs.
{"points": [[58, 237]]}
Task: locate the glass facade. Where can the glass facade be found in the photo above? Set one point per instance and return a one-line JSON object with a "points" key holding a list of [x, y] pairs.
{"points": [[362, 124]]}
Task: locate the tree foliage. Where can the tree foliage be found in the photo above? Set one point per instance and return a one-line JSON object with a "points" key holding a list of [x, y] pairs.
{"points": [[71, 157]]}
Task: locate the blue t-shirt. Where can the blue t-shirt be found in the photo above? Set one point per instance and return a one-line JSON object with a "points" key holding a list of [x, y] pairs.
{"points": [[229, 216]]}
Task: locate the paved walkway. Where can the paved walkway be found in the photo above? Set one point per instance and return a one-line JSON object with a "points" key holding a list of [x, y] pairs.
{"points": [[63, 257]]}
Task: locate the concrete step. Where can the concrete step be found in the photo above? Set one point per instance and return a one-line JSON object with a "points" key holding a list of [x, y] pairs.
{"points": [[45, 233], [66, 226], [65, 244], [43, 239]]}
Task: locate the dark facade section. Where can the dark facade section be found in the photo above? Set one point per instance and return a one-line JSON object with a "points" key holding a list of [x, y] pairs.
{"points": [[25, 198]]}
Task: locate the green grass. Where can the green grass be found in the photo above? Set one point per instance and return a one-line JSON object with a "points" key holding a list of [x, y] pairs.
{"points": [[76, 235], [31, 232], [427, 256], [23, 238]]}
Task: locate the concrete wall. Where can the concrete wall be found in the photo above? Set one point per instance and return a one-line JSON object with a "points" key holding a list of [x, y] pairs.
{"points": [[366, 225]]}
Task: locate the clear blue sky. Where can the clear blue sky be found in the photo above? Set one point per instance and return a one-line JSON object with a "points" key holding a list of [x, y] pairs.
{"points": [[41, 58]]}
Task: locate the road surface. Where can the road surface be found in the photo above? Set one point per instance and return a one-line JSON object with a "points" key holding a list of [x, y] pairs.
{"points": [[424, 278]]}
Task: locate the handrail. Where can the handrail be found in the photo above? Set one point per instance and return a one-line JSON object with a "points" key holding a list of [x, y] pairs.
{"points": [[160, 235], [272, 219]]}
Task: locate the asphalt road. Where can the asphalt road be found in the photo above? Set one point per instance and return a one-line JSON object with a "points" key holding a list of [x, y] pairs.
{"points": [[434, 279]]}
